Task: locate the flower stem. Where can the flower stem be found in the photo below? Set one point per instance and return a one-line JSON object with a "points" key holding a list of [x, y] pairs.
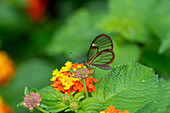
{"points": [[42, 110], [84, 84]]}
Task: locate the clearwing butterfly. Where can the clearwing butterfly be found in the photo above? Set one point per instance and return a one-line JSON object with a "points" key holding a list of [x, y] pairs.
{"points": [[101, 52]]}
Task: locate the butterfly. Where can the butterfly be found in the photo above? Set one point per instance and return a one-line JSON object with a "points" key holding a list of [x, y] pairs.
{"points": [[101, 52]]}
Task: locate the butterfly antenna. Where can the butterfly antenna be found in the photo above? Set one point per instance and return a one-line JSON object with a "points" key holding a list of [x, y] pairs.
{"points": [[76, 56]]}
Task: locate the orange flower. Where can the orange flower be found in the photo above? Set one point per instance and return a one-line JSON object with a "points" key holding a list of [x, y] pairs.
{"points": [[65, 81], [112, 109], [4, 108], [77, 86], [36, 9], [7, 69]]}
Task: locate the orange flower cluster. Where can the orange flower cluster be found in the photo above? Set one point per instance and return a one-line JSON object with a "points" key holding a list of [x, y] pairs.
{"points": [[4, 108], [64, 80], [112, 109], [36, 9], [7, 69]]}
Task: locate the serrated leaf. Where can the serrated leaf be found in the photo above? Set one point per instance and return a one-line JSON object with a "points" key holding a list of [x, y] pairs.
{"points": [[127, 87], [90, 105], [51, 100], [162, 100], [57, 108], [49, 94], [26, 91]]}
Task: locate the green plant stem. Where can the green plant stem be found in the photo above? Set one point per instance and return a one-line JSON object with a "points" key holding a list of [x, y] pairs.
{"points": [[42, 110], [84, 84]]}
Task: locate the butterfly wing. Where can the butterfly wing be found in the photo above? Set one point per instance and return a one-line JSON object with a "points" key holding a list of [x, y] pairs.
{"points": [[102, 59], [100, 43], [102, 67]]}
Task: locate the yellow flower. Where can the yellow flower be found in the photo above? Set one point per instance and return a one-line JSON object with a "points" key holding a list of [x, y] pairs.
{"points": [[79, 66], [102, 111], [66, 81], [84, 67], [74, 69], [7, 68], [55, 72], [53, 78], [63, 69], [68, 64]]}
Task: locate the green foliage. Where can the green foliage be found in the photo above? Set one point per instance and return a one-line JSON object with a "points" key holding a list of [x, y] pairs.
{"points": [[49, 94], [129, 17], [139, 30], [31, 73], [159, 19], [159, 62], [52, 100], [127, 87], [12, 21], [26, 91], [90, 105], [78, 97], [161, 101], [124, 53], [72, 32]]}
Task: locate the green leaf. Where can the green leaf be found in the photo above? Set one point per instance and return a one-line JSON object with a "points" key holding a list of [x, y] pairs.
{"points": [[127, 87], [49, 94], [57, 108], [26, 91], [165, 44], [162, 100], [90, 105], [78, 96], [51, 100]]}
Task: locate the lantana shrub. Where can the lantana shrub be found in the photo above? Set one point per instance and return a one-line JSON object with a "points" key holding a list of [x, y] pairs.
{"points": [[130, 88]]}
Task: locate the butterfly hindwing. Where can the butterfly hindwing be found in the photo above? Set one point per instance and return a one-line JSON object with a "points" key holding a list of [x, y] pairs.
{"points": [[104, 58]]}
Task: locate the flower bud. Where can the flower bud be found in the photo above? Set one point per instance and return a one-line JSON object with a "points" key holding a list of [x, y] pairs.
{"points": [[74, 106]]}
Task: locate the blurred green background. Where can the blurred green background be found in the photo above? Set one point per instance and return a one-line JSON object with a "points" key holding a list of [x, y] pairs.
{"points": [[39, 37]]}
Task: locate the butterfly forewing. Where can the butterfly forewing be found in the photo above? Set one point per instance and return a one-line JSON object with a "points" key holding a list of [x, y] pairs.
{"points": [[100, 43]]}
